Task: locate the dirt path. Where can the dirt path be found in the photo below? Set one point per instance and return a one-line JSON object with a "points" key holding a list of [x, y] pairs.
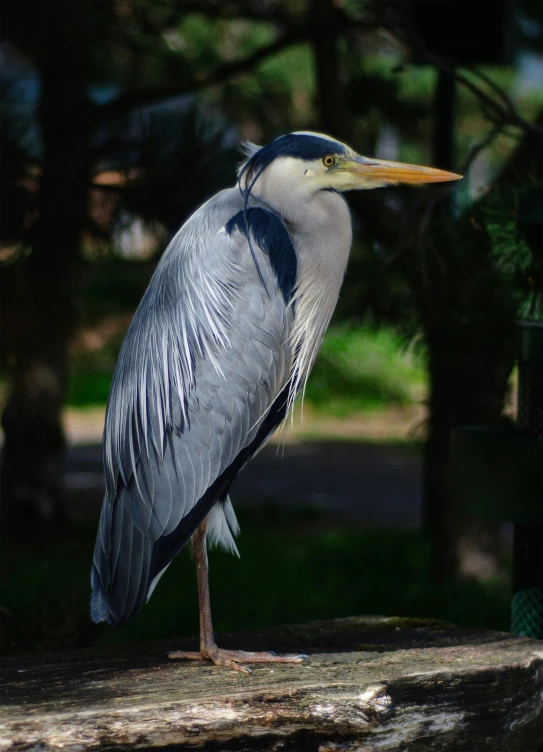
{"points": [[396, 424], [349, 466]]}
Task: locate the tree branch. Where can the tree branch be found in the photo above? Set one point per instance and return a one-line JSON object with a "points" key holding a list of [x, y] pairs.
{"points": [[230, 11], [477, 148], [141, 98], [494, 86], [399, 25], [507, 115]]}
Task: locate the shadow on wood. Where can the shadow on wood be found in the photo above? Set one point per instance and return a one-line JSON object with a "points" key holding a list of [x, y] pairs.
{"points": [[370, 683]]}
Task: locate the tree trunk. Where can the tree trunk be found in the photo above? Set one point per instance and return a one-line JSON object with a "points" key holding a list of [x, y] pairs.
{"points": [[468, 385], [437, 498], [39, 304], [325, 42], [370, 684]]}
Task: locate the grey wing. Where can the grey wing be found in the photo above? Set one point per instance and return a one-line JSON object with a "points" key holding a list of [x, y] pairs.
{"points": [[200, 384]]}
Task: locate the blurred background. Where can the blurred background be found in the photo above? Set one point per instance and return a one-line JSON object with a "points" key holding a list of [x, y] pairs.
{"points": [[118, 117]]}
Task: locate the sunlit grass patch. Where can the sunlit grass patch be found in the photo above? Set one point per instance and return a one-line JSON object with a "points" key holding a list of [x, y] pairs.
{"points": [[361, 369]]}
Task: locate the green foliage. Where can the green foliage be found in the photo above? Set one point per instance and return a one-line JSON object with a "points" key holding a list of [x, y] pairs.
{"points": [[111, 291], [513, 260], [294, 566], [92, 372], [359, 368], [113, 287], [467, 273], [89, 385]]}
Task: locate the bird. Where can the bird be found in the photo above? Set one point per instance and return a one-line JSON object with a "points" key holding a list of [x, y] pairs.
{"points": [[219, 348]]}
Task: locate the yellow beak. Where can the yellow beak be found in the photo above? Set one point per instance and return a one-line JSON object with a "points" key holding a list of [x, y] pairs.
{"points": [[381, 171]]}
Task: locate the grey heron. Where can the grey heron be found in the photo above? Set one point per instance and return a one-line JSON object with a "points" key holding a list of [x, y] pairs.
{"points": [[220, 345]]}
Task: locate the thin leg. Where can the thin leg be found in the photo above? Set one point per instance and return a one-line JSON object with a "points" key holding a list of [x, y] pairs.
{"points": [[208, 647]]}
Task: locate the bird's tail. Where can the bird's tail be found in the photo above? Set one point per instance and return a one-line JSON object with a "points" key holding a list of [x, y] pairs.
{"points": [[99, 609], [222, 527], [124, 579]]}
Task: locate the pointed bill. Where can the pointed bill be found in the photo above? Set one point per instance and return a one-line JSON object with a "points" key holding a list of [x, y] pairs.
{"points": [[380, 170]]}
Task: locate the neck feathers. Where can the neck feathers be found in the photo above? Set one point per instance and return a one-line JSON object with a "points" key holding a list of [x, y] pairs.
{"points": [[322, 246]]}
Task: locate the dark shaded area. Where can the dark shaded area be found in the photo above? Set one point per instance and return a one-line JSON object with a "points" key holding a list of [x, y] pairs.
{"points": [[296, 563], [363, 482]]}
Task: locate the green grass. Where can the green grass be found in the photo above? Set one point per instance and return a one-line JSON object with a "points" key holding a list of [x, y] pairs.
{"points": [[294, 566], [89, 388], [91, 375], [361, 369], [358, 369]]}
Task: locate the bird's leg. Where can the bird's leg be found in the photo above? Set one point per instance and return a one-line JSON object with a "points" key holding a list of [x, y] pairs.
{"points": [[208, 647]]}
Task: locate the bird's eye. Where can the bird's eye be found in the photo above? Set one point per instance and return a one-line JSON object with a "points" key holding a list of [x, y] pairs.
{"points": [[329, 160]]}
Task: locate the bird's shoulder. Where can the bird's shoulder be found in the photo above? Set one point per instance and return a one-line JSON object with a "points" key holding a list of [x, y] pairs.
{"points": [[228, 216]]}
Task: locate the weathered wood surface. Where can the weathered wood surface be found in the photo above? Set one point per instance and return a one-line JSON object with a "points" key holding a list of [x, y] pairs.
{"points": [[370, 684]]}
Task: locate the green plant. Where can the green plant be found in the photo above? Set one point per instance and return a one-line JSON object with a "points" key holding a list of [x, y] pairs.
{"points": [[360, 368]]}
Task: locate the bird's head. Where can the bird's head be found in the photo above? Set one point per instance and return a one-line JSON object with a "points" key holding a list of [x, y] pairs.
{"points": [[305, 163]]}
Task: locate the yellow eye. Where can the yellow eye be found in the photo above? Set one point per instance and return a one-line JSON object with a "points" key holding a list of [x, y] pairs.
{"points": [[329, 160]]}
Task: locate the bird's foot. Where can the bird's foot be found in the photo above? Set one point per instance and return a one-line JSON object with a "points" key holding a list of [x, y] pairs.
{"points": [[234, 658]]}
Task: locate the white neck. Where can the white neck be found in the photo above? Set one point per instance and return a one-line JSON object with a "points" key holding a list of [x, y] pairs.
{"points": [[321, 232]]}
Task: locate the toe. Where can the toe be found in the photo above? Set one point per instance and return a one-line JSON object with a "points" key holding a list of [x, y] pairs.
{"points": [[182, 655], [225, 658], [232, 664], [234, 659], [250, 657]]}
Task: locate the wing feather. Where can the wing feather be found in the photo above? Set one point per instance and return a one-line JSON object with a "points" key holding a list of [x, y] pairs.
{"points": [[201, 382], [178, 483]]}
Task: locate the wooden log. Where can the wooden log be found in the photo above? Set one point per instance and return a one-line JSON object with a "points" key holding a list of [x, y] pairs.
{"points": [[370, 683]]}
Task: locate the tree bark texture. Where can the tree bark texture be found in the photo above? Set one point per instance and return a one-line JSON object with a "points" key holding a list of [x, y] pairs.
{"points": [[39, 303], [468, 386], [370, 683], [325, 34]]}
